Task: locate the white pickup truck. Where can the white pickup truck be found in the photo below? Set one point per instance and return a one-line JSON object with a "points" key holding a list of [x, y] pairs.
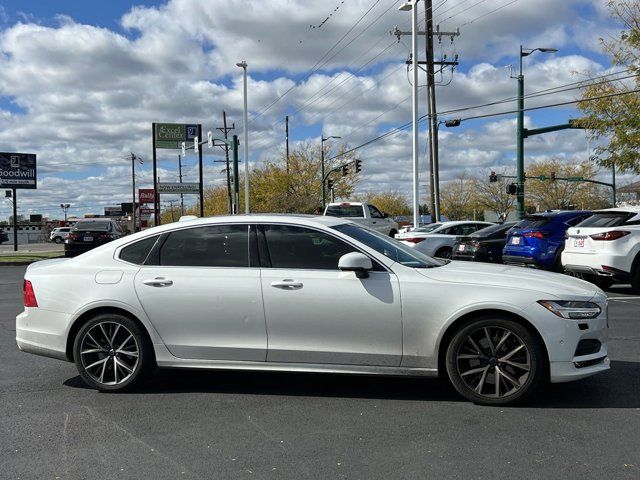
{"points": [[364, 214]]}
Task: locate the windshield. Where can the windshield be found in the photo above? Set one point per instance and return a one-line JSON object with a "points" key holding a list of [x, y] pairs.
{"points": [[91, 226], [605, 219], [344, 211], [396, 251], [427, 228], [531, 222]]}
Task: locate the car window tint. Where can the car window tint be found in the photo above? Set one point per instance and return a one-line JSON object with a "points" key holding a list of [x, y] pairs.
{"points": [[531, 222], [375, 213], [298, 247], [604, 219], [345, 211], [137, 252], [211, 246]]}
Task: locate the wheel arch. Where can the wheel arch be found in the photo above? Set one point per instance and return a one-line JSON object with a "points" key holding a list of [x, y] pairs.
{"points": [[98, 310], [459, 322]]}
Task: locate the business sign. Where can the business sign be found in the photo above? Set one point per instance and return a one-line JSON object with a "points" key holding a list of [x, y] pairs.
{"points": [[193, 187], [17, 170], [171, 135], [146, 195], [113, 212], [145, 213]]}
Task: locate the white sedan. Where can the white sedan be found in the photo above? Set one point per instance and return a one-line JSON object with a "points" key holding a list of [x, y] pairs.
{"points": [[310, 294], [438, 239]]}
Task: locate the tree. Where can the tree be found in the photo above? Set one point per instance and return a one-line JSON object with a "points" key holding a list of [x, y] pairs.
{"points": [[457, 197], [562, 194], [394, 203], [273, 189], [618, 118], [493, 196]]}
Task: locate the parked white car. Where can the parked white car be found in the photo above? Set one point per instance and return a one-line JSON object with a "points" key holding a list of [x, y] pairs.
{"points": [[364, 214], [308, 294], [605, 248], [59, 234], [438, 239]]}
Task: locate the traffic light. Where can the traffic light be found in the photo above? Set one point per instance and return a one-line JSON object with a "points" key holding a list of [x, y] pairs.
{"points": [[512, 189], [553, 176], [493, 177], [345, 170], [330, 184], [358, 166], [7, 193]]}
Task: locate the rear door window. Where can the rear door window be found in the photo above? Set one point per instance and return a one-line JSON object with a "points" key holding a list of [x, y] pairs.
{"points": [[138, 252], [210, 246]]}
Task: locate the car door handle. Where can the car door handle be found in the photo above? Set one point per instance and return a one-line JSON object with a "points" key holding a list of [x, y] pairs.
{"points": [[158, 282], [374, 222], [287, 284]]}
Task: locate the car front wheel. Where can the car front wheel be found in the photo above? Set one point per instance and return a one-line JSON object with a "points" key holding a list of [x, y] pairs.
{"points": [[58, 240], [112, 354], [494, 361]]}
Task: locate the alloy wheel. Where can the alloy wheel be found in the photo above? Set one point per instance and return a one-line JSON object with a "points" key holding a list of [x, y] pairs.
{"points": [[493, 362], [109, 353]]}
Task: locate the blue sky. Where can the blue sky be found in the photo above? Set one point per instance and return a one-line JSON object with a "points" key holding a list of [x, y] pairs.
{"points": [[82, 81]]}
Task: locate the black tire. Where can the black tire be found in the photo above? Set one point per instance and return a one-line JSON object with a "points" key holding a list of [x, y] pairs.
{"points": [[58, 240], [393, 233], [444, 252], [635, 278], [99, 351], [531, 356]]}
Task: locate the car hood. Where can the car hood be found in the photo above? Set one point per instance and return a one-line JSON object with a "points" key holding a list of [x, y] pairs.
{"points": [[549, 283]]}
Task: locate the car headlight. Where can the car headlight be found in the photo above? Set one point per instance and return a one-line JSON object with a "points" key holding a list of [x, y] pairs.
{"points": [[571, 309]]}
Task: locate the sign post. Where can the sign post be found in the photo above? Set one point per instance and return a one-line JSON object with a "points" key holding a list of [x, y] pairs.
{"points": [[17, 171]]}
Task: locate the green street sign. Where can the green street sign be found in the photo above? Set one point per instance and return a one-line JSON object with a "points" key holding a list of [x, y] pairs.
{"points": [[171, 135]]}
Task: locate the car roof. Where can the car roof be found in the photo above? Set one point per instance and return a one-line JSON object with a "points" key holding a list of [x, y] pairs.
{"points": [[452, 223], [559, 213], [620, 209]]}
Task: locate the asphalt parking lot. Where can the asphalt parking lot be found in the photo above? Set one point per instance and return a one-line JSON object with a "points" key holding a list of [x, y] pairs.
{"points": [[229, 425]]}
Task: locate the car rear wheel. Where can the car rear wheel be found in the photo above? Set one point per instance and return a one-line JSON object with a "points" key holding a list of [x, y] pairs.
{"points": [[599, 281], [494, 361], [444, 252], [112, 354], [393, 233], [635, 278], [58, 240]]}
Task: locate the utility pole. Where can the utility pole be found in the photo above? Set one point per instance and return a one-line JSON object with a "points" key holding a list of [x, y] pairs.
{"points": [[133, 191], [15, 220], [286, 134], [225, 131], [430, 62]]}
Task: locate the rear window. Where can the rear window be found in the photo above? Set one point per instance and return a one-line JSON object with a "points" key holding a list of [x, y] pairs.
{"points": [[344, 211], [605, 219], [91, 226], [138, 252], [493, 230], [531, 222]]}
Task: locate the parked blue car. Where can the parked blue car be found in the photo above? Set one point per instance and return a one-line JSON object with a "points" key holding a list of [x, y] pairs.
{"points": [[538, 239]]}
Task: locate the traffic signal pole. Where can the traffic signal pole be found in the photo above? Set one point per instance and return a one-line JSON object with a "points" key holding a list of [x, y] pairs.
{"points": [[520, 146]]}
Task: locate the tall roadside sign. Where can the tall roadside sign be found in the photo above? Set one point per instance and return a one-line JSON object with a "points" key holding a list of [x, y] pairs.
{"points": [[172, 136], [17, 171]]}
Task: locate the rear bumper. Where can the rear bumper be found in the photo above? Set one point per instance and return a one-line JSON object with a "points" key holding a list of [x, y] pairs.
{"points": [[42, 332], [618, 266], [518, 260]]}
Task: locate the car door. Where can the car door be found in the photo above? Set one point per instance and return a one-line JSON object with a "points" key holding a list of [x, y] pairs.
{"points": [[203, 296], [377, 221], [317, 314]]}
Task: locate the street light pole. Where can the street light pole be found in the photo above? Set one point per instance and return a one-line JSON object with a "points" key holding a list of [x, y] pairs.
{"points": [[243, 65], [65, 209], [520, 132], [324, 191]]}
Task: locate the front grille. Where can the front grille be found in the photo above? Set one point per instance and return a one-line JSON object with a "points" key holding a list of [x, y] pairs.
{"points": [[587, 346], [589, 363]]}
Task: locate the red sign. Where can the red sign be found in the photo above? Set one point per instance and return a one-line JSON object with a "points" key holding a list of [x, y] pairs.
{"points": [[145, 195]]}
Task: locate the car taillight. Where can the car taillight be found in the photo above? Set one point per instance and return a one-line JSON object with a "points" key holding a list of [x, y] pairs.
{"points": [[608, 236], [73, 236], [414, 239], [28, 295], [534, 235]]}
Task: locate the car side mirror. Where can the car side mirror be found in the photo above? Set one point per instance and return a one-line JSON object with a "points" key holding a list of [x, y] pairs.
{"points": [[356, 262]]}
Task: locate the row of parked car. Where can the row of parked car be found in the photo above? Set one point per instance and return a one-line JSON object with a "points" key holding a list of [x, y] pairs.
{"points": [[601, 246], [86, 235]]}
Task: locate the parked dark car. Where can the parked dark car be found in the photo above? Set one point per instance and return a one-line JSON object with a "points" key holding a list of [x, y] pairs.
{"points": [[538, 239], [484, 245], [88, 234], [3, 236]]}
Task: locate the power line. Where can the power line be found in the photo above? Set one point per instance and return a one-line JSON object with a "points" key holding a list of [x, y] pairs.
{"points": [[489, 13]]}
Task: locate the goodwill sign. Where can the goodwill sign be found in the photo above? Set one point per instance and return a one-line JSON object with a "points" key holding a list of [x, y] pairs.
{"points": [[18, 170]]}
